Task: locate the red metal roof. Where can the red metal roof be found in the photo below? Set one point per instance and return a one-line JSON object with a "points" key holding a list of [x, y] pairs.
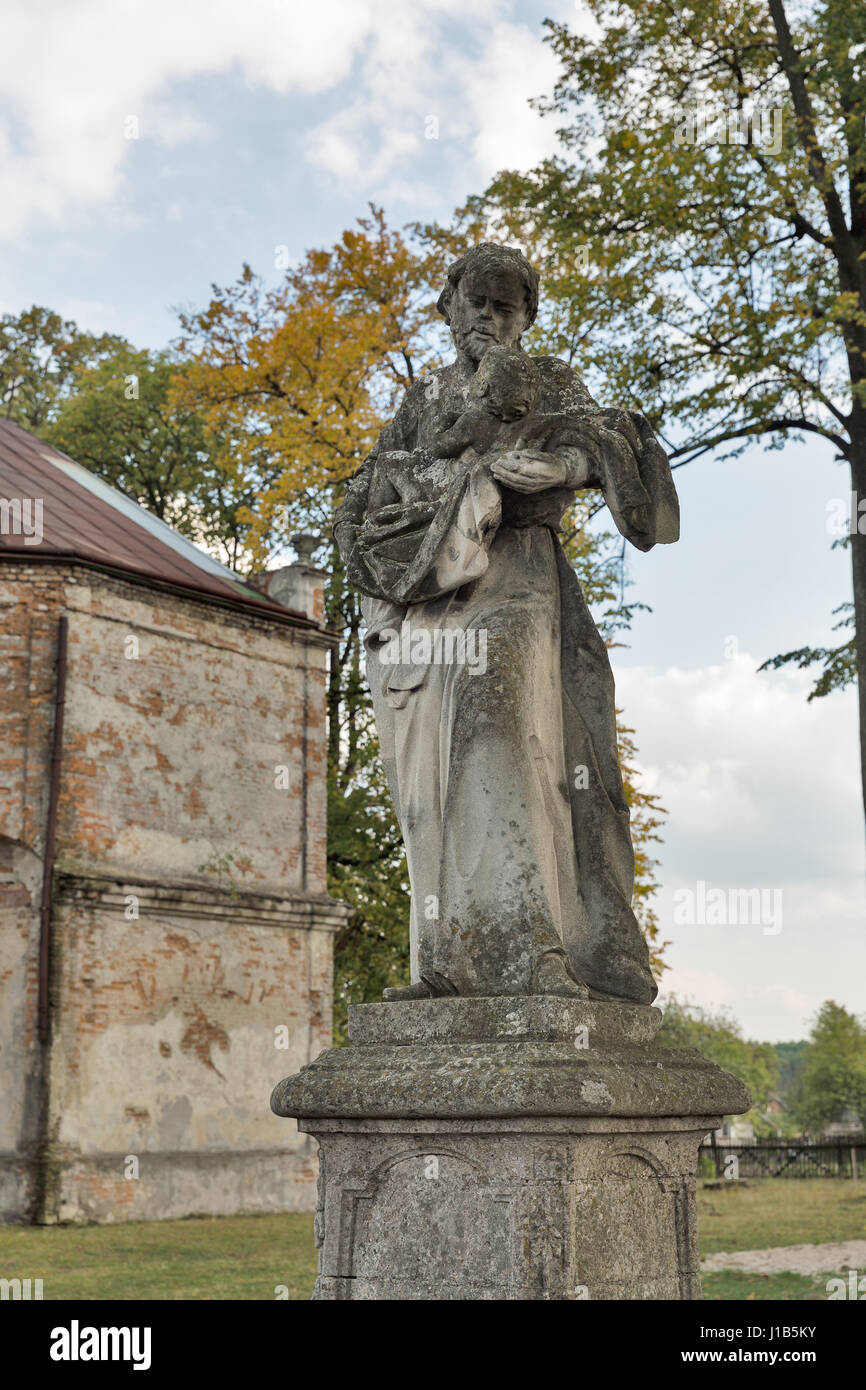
{"points": [[84, 519]]}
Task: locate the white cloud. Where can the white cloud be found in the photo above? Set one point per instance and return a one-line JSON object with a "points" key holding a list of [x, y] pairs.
{"points": [[513, 67], [749, 769], [762, 790], [420, 90], [766, 1012], [72, 73]]}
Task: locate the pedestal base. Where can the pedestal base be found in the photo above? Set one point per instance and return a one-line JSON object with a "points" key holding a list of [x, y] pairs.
{"points": [[531, 1148]]}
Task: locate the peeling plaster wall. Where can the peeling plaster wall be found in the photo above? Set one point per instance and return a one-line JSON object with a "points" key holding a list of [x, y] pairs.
{"points": [[190, 916], [170, 755], [20, 887], [166, 1050]]}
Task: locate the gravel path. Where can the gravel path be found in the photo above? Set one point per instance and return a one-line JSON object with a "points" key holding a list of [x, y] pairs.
{"points": [[832, 1258]]}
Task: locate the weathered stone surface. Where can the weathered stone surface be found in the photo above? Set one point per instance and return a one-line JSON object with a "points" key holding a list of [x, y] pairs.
{"points": [[561, 1214], [564, 1057], [546, 1150], [485, 1020], [491, 685]]}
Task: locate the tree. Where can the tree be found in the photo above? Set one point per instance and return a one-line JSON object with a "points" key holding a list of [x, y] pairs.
{"points": [[298, 379], [718, 1037], [839, 663], [42, 357], [123, 421], [833, 1076], [704, 234], [111, 407], [792, 1056]]}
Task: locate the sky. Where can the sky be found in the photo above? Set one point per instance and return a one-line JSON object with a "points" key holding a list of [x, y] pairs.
{"points": [[148, 149]]}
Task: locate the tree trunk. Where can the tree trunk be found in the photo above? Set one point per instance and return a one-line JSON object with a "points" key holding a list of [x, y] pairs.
{"points": [[858, 565]]}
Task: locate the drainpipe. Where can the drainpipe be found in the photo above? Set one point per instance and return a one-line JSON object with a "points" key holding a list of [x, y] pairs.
{"points": [[50, 833]]}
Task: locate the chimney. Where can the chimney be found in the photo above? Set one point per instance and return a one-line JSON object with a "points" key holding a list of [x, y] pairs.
{"points": [[300, 586]]}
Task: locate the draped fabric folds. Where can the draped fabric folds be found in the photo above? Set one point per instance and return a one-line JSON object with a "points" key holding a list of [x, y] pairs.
{"points": [[502, 759]]}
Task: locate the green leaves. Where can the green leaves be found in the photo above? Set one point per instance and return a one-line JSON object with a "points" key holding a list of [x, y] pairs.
{"points": [[42, 358], [833, 1076], [718, 1037], [718, 293], [839, 663]]}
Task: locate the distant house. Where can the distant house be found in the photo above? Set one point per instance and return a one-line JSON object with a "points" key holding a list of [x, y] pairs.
{"points": [[736, 1129], [848, 1124], [773, 1112], [165, 933]]}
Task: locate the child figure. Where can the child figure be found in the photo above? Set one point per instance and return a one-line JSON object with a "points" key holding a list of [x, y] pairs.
{"points": [[502, 416], [504, 389]]}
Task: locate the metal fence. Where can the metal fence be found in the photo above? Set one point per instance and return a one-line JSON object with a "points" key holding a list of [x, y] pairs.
{"points": [[842, 1157]]}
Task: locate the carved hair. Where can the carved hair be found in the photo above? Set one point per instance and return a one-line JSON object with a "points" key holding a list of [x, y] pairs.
{"points": [[489, 256]]}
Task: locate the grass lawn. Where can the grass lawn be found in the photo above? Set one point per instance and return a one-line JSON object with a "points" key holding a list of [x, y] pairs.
{"points": [[780, 1211], [247, 1257], [209, 1257], [731, 1284]]}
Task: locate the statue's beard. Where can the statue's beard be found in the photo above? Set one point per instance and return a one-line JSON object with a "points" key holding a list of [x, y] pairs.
{"points": [[473, 341]]}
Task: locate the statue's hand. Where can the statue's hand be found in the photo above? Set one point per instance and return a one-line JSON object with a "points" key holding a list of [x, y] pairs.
{"points": [[527, 471], [396, 517]]}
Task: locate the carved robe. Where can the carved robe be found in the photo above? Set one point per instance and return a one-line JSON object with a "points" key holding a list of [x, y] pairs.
{"points": [[505, 780]]}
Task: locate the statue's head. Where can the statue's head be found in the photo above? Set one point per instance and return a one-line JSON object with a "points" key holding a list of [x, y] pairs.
{"points": [[491, 297], [507, 382]]}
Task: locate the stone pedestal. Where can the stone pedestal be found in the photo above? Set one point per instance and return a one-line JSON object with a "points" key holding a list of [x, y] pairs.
{"points": [[507, 1148]]}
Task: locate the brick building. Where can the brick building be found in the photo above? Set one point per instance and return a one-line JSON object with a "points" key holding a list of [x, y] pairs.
{"points": [[165, 934]]}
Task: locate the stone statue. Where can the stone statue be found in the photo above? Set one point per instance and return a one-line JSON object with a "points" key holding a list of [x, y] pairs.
{"points": [[506, 1126], [492, 688]]}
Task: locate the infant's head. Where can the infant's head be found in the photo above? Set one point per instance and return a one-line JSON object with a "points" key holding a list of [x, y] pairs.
{"points": [[507, 383]]}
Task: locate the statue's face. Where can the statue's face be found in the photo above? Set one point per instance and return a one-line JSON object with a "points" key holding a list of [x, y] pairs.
{"points": [[487, 307]]}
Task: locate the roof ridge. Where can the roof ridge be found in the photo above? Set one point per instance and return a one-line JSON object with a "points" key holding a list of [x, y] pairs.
{"points": [[89, 518]]}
